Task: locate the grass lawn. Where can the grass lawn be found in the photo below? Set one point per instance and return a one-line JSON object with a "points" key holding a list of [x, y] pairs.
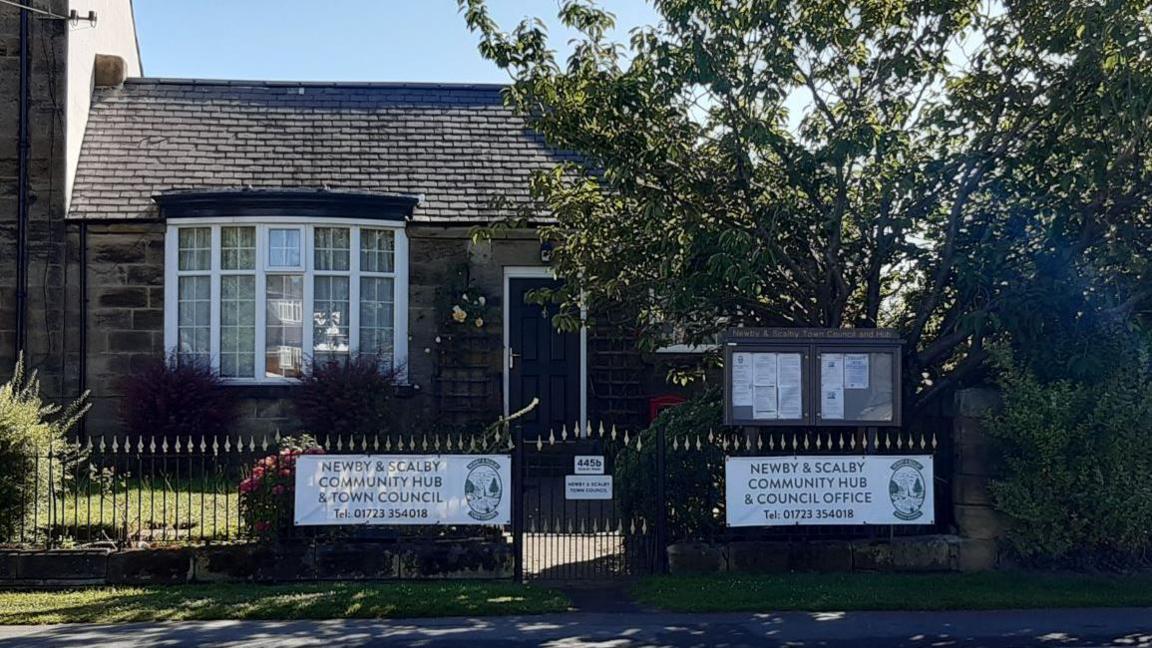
{"points": [[305, 601], [151, 510], [861, 591]]}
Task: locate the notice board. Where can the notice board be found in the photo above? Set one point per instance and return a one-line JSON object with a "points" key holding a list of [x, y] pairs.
{"points": [[812, 377]]}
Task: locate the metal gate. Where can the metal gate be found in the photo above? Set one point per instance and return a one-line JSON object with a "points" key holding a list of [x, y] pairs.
{"points": [[626, 535], [589, 539]]}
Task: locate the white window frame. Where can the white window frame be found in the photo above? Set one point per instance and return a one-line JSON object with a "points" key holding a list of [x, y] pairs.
{"points": [[264, 242], [306, 225]]}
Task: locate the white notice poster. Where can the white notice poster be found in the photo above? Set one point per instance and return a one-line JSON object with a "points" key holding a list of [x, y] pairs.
{"points": [[789, 375], [831, 403], [765, 369], [815, 490], [741, 380], [764, 403], [403, 489], [832, 369], [832, 386], [856, 371]]}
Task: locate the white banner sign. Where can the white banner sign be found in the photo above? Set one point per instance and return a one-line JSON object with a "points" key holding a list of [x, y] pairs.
{"points": [[818, 490], [403, 489]]}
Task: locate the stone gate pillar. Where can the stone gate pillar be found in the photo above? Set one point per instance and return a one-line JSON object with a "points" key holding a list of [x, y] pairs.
{"points": [[974, 464]]}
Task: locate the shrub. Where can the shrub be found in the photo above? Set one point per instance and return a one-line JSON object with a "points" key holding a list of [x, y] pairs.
{"points": [[170, 399], [694, 479], [346, 397], [1077, 459], [267, 492], [31, 428]]}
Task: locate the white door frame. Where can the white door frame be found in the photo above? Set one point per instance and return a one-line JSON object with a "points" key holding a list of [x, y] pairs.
{"points": [[542, 272]]}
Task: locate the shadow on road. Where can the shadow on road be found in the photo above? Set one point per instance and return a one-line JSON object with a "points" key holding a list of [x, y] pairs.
{"points": [[1130, 627]]}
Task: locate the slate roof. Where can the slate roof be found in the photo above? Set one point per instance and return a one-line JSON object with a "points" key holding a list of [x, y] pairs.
{"points": [[457, 146]]}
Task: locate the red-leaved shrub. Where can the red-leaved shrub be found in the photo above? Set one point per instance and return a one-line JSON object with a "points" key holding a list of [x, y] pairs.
{"points": [[346, 397], [169, 399]]}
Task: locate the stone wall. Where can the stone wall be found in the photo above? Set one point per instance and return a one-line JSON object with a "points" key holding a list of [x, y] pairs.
{"points": [[51, 325], [125, 294], [262, 563], [125, 278], [929, 553], [974, 465], [455, 370]]}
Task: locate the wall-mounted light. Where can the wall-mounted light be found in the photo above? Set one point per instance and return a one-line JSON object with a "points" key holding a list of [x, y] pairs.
{"points": [[546, 252]]}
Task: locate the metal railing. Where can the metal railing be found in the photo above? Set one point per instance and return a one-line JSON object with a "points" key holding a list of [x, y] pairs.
{"points": [[132, 491], [122, 491]]}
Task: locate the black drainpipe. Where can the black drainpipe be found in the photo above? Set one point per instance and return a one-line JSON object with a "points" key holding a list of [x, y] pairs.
{"points": [[22, 188], [83, 321]]}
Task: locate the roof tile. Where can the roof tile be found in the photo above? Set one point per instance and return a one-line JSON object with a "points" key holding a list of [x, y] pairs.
{"points": [[457, 145]]}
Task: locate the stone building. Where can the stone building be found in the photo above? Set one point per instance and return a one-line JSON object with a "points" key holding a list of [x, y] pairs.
{"points": [[258, 226], [47, 71]]}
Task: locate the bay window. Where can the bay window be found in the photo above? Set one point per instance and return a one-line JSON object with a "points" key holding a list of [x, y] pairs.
{"points": [[259, 300]]}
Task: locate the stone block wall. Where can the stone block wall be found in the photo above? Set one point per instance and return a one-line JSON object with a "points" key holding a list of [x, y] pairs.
{"points": [[125, 294], [51, 326], [125, 279], [928, 553], [975, 464], [262, 563], [455, 370]]}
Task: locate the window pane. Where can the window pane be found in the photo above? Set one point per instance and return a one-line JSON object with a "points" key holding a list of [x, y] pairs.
{"points": [[284, 247], [332, 245], [285, 326], [194, 320], [238, 248], [330, 317], [238, 326], [377, 318], [377, 250], [195, 248]]}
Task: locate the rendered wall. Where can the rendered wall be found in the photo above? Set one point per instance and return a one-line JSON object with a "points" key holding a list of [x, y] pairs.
{"points": [[114, 33]]}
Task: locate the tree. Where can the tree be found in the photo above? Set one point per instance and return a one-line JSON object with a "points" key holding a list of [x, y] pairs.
{"points": [[955, 170]]}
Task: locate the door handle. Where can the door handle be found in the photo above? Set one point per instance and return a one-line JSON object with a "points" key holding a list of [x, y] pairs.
{"points": [[512, 355]]}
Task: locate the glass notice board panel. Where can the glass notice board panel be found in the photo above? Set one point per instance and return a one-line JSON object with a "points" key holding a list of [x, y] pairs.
{"points": [[856, 386], [767, 386]]}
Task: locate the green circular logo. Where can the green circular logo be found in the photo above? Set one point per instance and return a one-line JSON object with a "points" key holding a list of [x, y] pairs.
{"points": [[907, 489], [483, 489]]}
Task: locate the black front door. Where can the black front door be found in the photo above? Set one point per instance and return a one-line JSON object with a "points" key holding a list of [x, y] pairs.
{"points": [[544, 363]]}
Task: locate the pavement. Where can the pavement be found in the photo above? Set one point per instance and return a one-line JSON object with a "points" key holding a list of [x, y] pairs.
{"points": [[1049, 628]]}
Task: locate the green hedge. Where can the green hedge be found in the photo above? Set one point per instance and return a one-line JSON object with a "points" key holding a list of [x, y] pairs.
{"points": [[1077, 473]]}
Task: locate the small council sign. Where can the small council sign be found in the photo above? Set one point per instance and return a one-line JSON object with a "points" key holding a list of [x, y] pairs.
{"points": [[588, 487], [403, 489], [820, 490]]}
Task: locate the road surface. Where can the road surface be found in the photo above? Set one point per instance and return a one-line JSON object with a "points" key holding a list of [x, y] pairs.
{"points": [[1049, 628]]}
